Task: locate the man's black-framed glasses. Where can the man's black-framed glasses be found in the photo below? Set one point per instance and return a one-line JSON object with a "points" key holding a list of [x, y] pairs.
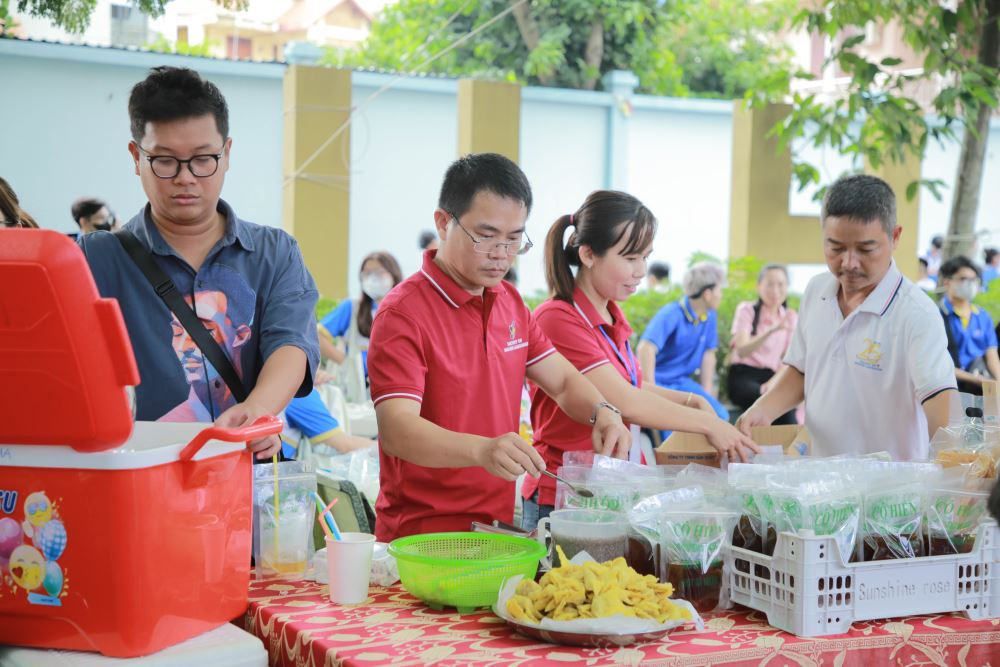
{"points": [[167, 166], [490, 246]]}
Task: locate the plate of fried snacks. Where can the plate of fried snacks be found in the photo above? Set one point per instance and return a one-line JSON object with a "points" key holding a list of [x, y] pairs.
{"points": [[586, 603]]}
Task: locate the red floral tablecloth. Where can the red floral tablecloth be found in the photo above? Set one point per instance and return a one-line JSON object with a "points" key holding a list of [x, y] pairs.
{"points": [[300, 628]]}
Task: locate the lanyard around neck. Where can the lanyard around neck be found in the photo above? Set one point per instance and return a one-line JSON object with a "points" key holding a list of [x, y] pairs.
{"points": [[628, 362]]}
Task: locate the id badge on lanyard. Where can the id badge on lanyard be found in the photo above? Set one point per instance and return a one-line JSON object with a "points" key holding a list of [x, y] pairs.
{"points": [[635, 451]]}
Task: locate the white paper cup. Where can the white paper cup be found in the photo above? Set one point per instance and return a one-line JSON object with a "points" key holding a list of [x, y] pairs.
{"points": [[349, 567]]}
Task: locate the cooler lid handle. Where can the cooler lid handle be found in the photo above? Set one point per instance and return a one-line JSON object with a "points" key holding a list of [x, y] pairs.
{"points": [[266, 425]]}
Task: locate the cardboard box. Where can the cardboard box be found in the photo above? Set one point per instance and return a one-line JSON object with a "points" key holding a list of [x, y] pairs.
{"points": [[683, 448]]}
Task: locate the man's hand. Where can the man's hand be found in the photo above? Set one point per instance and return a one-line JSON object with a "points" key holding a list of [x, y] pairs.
{"points": [[244, 414], [731, 442], [322, 377], [610, 436], [755, 416], [508, 456]]}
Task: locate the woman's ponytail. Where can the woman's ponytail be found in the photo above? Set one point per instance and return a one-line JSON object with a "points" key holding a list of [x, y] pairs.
{"points": [[558, 258]]}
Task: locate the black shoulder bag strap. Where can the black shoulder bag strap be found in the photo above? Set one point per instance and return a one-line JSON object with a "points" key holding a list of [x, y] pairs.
{"points": [[166, 290], [952, 343]]}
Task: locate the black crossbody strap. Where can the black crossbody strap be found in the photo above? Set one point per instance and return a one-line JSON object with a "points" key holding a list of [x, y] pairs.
{"points": [[166, 290]]}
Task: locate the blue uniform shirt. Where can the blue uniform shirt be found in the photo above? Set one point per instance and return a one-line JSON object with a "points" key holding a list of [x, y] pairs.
{"points": [[253, 293], [681, 338], [338, 320], [972, 340]]}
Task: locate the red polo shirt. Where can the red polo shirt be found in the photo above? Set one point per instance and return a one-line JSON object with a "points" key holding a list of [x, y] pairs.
{"points": [[464, 359], [575, 330]]}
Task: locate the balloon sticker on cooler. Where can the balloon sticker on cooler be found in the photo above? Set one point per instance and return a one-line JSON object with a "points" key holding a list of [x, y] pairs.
{"points": [[30, 549]]}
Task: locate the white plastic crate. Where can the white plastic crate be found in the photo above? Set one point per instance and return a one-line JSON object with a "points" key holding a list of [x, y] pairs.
{"points": [[805, 588]]}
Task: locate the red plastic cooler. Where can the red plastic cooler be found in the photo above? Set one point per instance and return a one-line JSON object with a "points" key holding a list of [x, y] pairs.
{"points": [[112, 539]]}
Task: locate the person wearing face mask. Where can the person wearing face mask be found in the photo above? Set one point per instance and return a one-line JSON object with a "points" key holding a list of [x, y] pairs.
{"points": [[762, 331], [972, 342], [92, 215], [608, 240], [351, 321], [683, 336]]}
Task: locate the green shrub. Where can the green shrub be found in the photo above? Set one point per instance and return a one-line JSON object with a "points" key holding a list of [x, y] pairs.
{"points": [[742, 274], [324, 307]]}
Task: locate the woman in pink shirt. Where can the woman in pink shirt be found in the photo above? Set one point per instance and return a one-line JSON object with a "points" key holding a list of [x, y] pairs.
{"points": [[762, 332]]}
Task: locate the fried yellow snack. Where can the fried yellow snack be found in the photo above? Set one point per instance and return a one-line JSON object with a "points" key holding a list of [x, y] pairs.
{"points": [[594, 590], [522, 609]]}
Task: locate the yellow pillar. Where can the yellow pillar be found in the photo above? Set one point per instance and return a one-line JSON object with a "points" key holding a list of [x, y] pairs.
{"points": [[489, 118], [899, 176], [315, 195], [760, 224]]}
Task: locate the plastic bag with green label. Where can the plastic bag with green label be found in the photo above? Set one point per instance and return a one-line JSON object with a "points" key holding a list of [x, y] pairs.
{"points": [[893, 510], [805, 502], [691, 544]]}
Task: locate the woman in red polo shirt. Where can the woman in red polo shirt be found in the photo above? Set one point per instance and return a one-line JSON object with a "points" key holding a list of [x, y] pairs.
{"points": [[611, 239]]}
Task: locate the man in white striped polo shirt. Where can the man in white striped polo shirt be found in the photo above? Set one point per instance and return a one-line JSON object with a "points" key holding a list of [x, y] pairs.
{"points": [[870, 353]]}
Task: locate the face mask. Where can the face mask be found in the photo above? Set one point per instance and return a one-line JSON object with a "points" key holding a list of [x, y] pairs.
{"points": [[376, 286], [966, 290]]}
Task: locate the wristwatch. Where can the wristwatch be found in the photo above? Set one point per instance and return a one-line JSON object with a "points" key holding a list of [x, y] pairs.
{"points": [[603, 404]]}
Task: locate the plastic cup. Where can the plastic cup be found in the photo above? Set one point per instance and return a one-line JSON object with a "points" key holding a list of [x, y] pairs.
{"points": [[349, 567], [287, 553], [600, 533]]}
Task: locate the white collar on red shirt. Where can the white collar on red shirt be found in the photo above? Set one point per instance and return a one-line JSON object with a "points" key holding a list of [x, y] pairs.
{"points": [[882, 296], [446, 286], [586, 309]]}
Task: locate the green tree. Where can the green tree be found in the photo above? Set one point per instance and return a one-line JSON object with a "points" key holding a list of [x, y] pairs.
{"points": [[74, 15], [677, 48], [163, 45], [880, 116]]}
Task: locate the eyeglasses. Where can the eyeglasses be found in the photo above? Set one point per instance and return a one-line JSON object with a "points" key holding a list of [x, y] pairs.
{"points": [[11, 224], [489, 246], [167, 166]]}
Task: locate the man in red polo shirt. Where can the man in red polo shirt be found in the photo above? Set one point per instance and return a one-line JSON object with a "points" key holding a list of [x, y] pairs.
{"points": [[449, 352]]}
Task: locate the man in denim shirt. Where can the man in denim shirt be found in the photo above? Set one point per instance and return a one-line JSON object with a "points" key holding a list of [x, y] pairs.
{"points": [[247, 283]]}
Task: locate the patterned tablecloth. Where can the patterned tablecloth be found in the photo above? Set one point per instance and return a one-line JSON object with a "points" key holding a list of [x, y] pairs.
{"points": [[300, 628]]}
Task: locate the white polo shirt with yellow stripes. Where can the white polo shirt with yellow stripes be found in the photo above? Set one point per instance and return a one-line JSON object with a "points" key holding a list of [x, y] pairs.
{"points": [[867, 375]]}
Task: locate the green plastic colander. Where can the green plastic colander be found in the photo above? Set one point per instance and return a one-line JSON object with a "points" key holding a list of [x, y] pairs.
{"points": [[462, 570]]}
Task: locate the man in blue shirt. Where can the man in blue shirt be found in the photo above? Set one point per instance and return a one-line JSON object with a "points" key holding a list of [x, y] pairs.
{"points": [[683, 336], [972, 341], [246, 282]]}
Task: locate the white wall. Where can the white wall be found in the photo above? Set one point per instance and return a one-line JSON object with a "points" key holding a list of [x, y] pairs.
{"points": [[680, 166], [401, 144], [65, 134], [563, 154]]}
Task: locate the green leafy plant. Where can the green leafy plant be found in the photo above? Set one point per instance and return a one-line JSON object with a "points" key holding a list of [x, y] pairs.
{"points": [[324, 307], [709, 48], [162, 45], [882, 115], [74, 15]]}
